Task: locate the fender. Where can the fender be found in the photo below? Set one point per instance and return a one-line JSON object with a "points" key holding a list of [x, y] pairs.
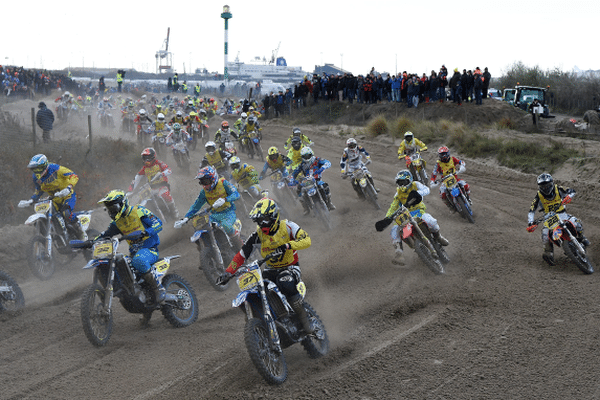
{"points": [[34, 217], [407, 231], [95, 263], [197, 235], [240, 299]]}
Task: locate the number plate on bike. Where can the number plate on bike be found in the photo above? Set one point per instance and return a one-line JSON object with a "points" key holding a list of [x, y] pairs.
{"points": [[276, 176], [42, 208], [249, 279], [450, 181], [551, 222], [403, 217], [199, 221], [103, 250]]}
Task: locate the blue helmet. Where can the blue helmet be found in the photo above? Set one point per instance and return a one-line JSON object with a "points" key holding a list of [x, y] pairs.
{"points": [[38, 164], [208, 177]]}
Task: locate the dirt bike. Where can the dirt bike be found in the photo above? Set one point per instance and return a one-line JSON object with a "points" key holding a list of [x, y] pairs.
{"points": [[272, 325], [228, 146], [159, 143], [143, 132], [11, 296], [416, 166], [284, 190], [115, 277], [52, 236], [252, 144], [362, 179], [457, 196], [106, 118], [198, 132], [127, 124], [215, 247], [181, 154], [562, 233], [62, 111], [312, 195], [149, 198], [416, 234]]}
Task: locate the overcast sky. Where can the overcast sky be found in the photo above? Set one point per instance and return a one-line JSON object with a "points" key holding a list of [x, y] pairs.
{"points": [[389, 35]]}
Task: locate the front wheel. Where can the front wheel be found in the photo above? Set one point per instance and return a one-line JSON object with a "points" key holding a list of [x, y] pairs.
{"points": [[465, 209], [96, 319], [322, 212], [317, 344], [371, 195], [424, 254], [11, 296], [270, 364], [211, 268], [184, 310], [40, 262], [580, 259]]}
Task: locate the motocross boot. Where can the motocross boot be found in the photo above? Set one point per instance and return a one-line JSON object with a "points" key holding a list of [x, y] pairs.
{"points": [[79, 232], [298, 306], [330, 205], [399, 256], [441, 240], [373, 183], [159, 290], [449, 205], [583, 240], [305, 206]]}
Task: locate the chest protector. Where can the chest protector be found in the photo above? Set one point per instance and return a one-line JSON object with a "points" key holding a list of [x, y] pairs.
{"points": [[215, 160], [151, 171], [217, 193], [447, 168], [132, 221], [402, 196], [270, 243], [554, 204], [277, 164]]}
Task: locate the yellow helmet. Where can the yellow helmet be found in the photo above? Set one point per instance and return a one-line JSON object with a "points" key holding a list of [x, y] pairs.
{"points": [[116, 204], [266, 214]]}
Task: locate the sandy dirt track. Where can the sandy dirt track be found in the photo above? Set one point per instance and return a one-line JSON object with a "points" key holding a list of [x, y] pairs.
{"points": [[500, 324]]}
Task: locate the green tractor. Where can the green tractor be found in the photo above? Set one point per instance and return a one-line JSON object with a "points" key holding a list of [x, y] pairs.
{"points": [[524, 96]]}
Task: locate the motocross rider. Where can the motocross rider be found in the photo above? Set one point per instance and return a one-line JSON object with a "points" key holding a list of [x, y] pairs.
{"points": [[552, 197], [409, 145], [160, 126], [224, 134], [219, 194], [315, 165], [177, 134], [304, 140], [216, 158], [352, 160], [127, 219], [246, 176], [177, 118], [275, 161], [240, 124], [294, 153], [283, 239], [410, 193], [447, 165], [58, 181], [142, 119], [156, 172]]}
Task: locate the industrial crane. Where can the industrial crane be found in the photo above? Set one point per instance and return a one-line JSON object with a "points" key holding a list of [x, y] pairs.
{"points": [[274, 54], [164, 58]]}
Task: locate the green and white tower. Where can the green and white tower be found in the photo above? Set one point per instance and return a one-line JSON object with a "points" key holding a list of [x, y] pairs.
{"points": [[226, 14]]}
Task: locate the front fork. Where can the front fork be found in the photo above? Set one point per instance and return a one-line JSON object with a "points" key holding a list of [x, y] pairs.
{"points": [[216, 249]]}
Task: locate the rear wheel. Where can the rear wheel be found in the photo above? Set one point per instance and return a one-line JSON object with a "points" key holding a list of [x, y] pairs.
{"points": [[40, 263], [591, 117], [270, 364], [96, 319], [184, 311], [316, 344], [579, 258], [11, 296]]}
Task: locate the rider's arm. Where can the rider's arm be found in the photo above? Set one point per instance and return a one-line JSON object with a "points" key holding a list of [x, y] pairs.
{"points": [[111, 231], [152, 223], [564, 192], [136, 181], [244, 253], [534, 206], [232, 192], [299, 239], [200, 201], [393, 207], [422, 145], [343, 161], [401, 149], [422, 189], [67, 177], [164, 168], [459, 165]]}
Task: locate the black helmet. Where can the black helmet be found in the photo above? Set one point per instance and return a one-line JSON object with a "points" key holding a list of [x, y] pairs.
{"points": [[296, 143], [545, 184]]}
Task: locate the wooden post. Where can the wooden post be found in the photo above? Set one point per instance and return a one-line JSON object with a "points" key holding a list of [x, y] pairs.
{"points": [[33, 135], [90, 131]]}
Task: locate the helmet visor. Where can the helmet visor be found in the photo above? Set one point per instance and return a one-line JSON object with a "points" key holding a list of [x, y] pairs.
{"points": [[205, 180], [273, 157], [546, 187], [352, 146], [307, 156], [113, 208], [263, 222], [39, 169], [148, 158], [445, 157], [403, 182]]}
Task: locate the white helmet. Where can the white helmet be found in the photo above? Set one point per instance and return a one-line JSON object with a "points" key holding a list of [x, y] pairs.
{"points": [[160, 117], [351, 143], [244, 115], [142, 112], [307, 155], [210, 144]]}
